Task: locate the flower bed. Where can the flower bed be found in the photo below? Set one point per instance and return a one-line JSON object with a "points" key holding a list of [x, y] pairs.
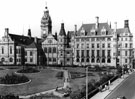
{"points": [[28, 70], [13, 79], [75, 75]]}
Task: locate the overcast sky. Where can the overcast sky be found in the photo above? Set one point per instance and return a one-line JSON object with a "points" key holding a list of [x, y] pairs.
{"points": [[19, 15]]}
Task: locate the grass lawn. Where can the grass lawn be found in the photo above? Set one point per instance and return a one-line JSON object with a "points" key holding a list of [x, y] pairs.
{"points": [[41, 81], [78, 83]]}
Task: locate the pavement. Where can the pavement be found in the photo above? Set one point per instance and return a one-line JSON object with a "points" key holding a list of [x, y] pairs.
{"points": [[113, 85]]}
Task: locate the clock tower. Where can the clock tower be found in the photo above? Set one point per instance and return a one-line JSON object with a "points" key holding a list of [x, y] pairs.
{"points": [[46, 24]]}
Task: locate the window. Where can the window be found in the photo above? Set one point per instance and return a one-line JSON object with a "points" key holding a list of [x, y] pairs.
{"points": [[31, 53], [98, 60], [2, 50], [121, 39], [87, 54], [54, 59], [87, 45], [92, 53], [68, 59], [2, 59], [103, 53], [45, 50], [125, 53], [77, 53], [82, 54], [54, 49], [98, 45], [31, 59], [109, 45], [10, 49], [50, 59], [92, 45], [109, 53], [103, 39], [10, 59], [125, 39], [125, 60], [82, 59], [108, 39], [98, 53], [130, 38], [92, 60], [103, 60], [82, 46], [77, 60], [92, 39], [126, 45], [98, 39], [87, 60], [130, 45], [77, 45], [49, 50], [103, 45], [108, 60]]}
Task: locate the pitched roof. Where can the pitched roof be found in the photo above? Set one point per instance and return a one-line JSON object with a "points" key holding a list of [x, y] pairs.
{"points": [[124, 30], [89, 27], [23, 40], [32, 45]]}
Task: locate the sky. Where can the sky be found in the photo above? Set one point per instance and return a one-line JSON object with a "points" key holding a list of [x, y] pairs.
{"points": [[19, 15]]}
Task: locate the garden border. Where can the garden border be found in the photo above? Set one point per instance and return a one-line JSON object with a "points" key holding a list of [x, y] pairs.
{"points": [[15, 84]]}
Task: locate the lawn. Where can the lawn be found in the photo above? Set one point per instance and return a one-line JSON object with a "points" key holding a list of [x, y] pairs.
{"points": [[41, 81], [78, 83]]}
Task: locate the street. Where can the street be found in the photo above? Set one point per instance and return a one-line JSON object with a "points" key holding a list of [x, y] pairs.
{"points": [[126, 88]]}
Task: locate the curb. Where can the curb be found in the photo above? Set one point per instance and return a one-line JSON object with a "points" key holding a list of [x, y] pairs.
{"points": [[117, 86]]}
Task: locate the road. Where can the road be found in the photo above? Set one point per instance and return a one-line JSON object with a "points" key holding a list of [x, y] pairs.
{"points": [[126, 88]]}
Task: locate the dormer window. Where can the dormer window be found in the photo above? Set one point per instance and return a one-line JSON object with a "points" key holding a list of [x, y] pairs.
{"points": [[93, 31], [82, 32], [103, 31]]}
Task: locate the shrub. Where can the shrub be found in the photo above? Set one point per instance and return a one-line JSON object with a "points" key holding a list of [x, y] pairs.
{"points": [[9, 96], [28, 70], [60, 75], [13, 79], [77, 75]]}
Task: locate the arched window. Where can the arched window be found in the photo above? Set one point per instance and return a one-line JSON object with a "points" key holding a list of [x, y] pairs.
{"points": [[82, 59], [2, 59], [108, 60], [92, 60], [87, 60], [77, 60], [103, 60], [98, 60]]}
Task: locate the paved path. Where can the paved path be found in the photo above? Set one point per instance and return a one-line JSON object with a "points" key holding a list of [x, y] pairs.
{"points": [[112, 87]]}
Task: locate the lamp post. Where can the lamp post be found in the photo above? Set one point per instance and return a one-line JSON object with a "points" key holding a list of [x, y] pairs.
{"points": [[87, 82]]}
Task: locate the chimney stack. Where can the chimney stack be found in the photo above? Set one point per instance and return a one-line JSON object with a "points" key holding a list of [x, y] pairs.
{"points": [[126, 24], [75, 28], [115, 26], [29, 32], [35, 39], [6, 31], [97, 22]]}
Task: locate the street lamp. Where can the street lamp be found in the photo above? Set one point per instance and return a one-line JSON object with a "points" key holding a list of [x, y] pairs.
{"points": [[87, 82]]}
